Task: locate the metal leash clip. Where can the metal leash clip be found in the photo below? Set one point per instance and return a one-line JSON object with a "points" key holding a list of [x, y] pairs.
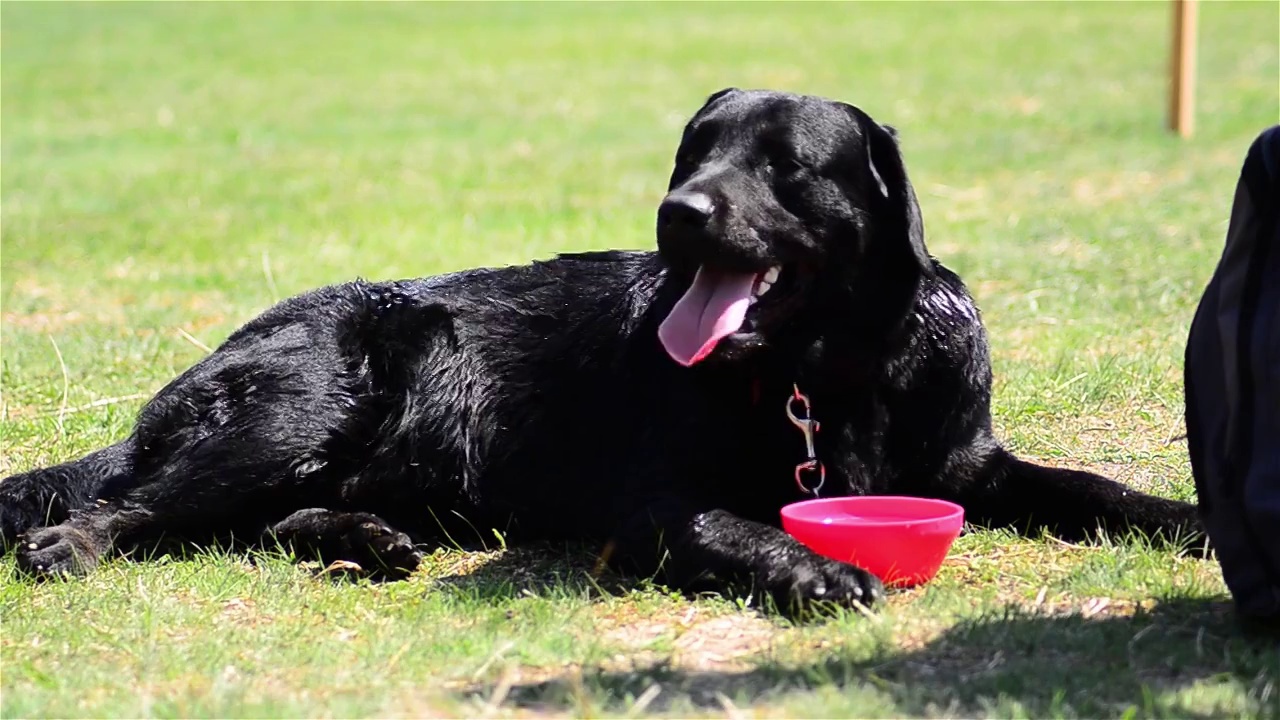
{"points": [[807, 425]]}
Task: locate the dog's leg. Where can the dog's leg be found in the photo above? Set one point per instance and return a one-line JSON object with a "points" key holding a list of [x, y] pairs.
{"points": [[357, 537], [48, 496], [77, 545], [1072, 504], [257, 430], [689, 550], [233, 480]]}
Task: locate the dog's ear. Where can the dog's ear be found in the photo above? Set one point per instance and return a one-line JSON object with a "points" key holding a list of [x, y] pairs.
{"points": [[719, 94], [714, 98], [901, 210], [709, 103]]}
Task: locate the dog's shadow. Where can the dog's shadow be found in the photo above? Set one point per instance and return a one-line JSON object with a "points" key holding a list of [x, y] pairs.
{"points": [[1026, 664], [541, 569]]}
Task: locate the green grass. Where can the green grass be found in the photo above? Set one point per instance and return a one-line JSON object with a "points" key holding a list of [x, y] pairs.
{"points": [[173, 168]]}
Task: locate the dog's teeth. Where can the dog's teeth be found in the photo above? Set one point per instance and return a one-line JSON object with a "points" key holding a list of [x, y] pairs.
{"points": [[761, 288], [32, 546], [771, 275]]}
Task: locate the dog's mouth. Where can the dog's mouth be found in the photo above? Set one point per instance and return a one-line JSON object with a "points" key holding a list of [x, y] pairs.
{"points": [[718, 304]]}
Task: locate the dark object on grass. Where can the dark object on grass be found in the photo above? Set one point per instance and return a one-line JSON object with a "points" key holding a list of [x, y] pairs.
{"points": [[1232, 378], [635, 399]]}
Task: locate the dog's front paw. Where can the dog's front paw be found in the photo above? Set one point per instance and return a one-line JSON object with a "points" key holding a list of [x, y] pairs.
{"points": [[816, 580], [382, 550], [61, 550], [347, 539]]}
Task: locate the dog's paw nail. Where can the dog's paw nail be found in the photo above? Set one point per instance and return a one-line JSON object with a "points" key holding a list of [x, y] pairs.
{"points": [[343, 566]]}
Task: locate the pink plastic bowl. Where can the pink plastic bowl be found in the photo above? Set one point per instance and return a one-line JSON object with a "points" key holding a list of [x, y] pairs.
{"points": [[901, 540]]}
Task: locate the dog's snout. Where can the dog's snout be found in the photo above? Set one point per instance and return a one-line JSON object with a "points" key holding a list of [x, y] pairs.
{"points": [[685, 209]]}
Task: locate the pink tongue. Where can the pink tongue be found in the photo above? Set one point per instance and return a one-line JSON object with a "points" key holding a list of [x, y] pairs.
{"points": [[713, 307]]}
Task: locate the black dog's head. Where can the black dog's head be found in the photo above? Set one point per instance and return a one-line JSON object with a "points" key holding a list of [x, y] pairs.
{"points": [[784, 210]]}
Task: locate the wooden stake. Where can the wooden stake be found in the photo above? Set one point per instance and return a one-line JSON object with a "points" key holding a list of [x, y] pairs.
{"points": [[1182, 69]]}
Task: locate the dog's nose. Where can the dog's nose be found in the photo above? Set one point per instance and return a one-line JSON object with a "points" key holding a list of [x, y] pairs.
{"points": [[689, 209]]}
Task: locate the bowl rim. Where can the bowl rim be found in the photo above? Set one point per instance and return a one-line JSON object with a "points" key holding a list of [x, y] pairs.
{"points": [[953, 511]]}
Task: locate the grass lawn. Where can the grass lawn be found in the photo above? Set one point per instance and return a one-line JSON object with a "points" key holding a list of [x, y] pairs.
{"points": [[170, 170]]}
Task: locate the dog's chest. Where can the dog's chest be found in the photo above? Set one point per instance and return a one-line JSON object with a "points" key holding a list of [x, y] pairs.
{"points": [[772, 457]]}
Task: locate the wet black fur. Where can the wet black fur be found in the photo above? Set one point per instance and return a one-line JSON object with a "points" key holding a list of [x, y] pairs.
{"points": [[537, 400]]}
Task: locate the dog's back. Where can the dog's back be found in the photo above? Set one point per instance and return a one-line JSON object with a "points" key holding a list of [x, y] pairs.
{"points": [[412, 393]]}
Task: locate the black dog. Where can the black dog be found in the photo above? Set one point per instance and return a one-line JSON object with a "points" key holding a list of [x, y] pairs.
{"points": [[637, 399]]}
